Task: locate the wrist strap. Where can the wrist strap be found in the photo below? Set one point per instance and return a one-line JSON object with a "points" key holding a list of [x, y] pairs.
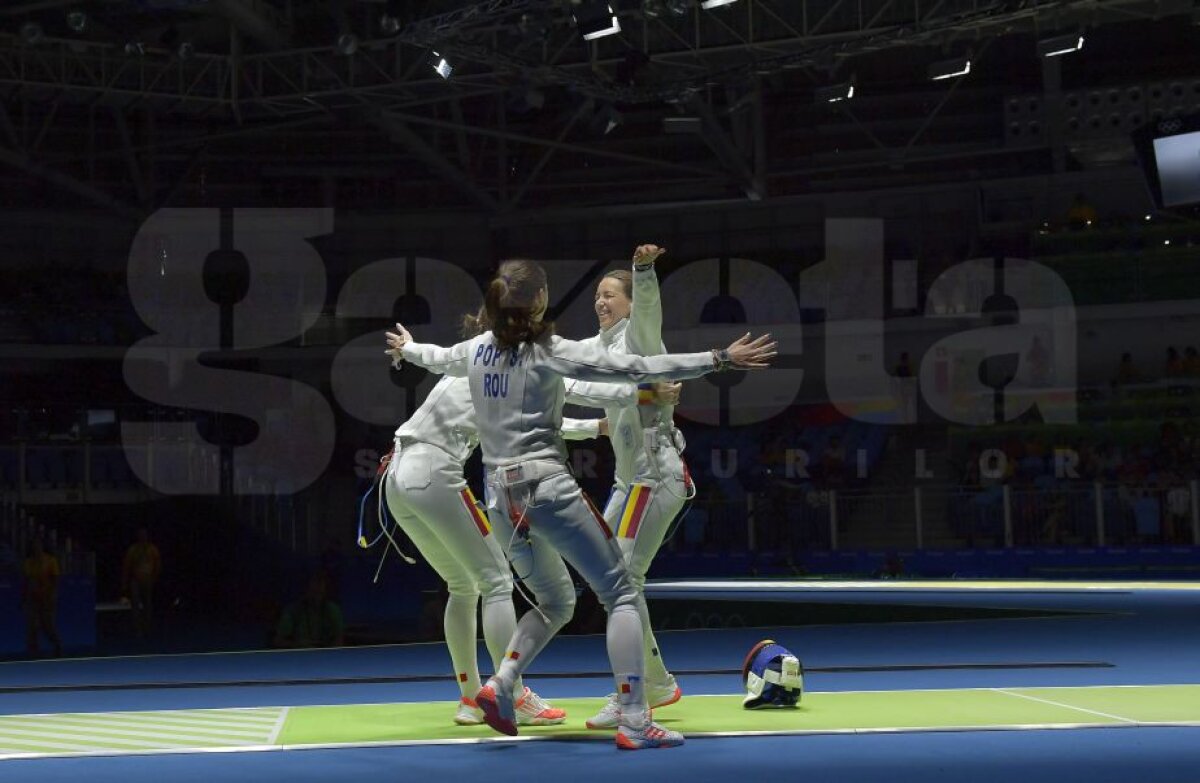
{"points": [[646, 395], [721, 360]]}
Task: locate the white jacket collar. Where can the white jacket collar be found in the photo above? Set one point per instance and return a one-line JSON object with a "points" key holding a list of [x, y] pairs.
{"points": [[613, 333]]}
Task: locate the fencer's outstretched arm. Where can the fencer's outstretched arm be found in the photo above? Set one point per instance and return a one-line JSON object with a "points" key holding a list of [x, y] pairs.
{"points": [[590, 361], [435, 358], [580, 429], [601, 394], [643, 336], [586, 361]]}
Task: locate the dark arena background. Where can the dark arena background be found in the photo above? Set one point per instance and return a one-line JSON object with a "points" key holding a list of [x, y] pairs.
{"points": [[966, 495]]}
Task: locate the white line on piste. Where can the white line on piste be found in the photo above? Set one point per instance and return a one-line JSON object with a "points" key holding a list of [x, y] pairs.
{"points": [[164, 727], [274, 737], [1065, 706]]}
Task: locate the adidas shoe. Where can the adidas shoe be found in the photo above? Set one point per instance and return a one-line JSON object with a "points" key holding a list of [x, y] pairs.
{"points": [[609, 716], [650, 735], [533, 710], [664, 694], [468, 713], [497, 704]]}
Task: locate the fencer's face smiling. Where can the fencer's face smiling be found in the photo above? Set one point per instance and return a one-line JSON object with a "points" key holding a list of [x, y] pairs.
{"points": [[611, 303]]}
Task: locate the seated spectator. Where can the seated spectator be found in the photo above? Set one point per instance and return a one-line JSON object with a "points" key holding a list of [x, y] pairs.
{"points": [[313, 621], [833, 461], [1109, 461], [1172, 447], [1127, 372], [1055, 522], [39, 598], [1191, 362], [970, 473], [1174, 367], [1179, 511], [773, 454], [1146, 515], [1081, 214], [1134, 468]]}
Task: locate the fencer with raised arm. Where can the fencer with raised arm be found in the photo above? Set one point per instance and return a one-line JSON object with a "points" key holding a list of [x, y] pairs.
{"points": [[651, 483], [515, 372]]}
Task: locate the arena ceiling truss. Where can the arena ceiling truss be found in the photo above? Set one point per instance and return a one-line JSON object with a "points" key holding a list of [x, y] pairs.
{"points": [[130, 104]]}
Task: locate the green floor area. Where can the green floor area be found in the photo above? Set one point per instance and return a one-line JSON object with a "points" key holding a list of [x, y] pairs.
{"points": [[819, 712], [415, 722]]}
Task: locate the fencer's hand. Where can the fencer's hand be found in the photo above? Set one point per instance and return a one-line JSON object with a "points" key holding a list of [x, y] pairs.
{"points": [[604, 427], [401, 336], [646, 255], [396, 342], [748, 354], [667, 393]]}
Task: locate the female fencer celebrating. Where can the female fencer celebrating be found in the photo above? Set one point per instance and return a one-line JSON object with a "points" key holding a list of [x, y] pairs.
{"points": [[515, 372], [650, 482], [428, 497]]}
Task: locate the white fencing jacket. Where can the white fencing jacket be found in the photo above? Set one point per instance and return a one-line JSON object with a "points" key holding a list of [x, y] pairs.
{"points": [[446, 419], [518, 394], [641, 334]]}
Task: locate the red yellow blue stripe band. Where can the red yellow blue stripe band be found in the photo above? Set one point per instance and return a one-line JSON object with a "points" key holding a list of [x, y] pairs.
{"points": [[477, 516], [597, 516], [634, 510]]}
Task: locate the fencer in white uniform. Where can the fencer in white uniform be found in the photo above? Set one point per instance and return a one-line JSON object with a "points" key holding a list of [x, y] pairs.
{"points": [[515, 371], [651, 482], [428, 497]]}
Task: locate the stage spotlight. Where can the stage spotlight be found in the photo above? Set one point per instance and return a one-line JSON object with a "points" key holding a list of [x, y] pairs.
{"points": [[135, 49], [606, 119], [186, 50], [526, 99], [1060, 45], [32, 33], [706, 4], [390, 25], [834, 93], [390, 20], [534, 27], [77, 21], [441, 66], [949, 69], [595, 19], [347, 44], [678, 7], [676, 125], [654, 9]]}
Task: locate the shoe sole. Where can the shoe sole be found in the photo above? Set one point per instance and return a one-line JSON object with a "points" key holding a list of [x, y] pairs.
{"points": [[542, 721], [492, 716], [468, 722], [624, 743], [676, 696], [600, 726]]}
